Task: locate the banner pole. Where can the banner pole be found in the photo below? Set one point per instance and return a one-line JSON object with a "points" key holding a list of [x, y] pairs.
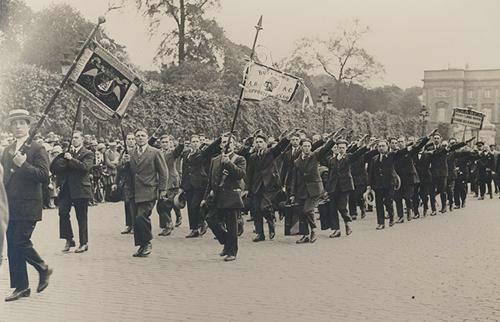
{"points": [[49, 105], [78, 109], [258, 28]]}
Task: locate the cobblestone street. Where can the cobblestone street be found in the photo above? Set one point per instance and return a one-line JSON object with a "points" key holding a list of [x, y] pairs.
{"points": [[442, 268]]}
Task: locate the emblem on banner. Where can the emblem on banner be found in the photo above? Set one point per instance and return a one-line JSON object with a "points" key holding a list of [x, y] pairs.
{"points": [[105, 81]]}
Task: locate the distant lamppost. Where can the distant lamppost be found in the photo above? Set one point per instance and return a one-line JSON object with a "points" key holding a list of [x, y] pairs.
{"points": [[327, 104], [424, 115]]}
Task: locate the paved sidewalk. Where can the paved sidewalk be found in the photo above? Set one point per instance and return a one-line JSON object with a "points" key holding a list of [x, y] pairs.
{"points": [[443, 268]]}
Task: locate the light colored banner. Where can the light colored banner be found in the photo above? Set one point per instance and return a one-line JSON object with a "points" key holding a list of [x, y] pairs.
{"points": [[467, 117], [264, 81]]}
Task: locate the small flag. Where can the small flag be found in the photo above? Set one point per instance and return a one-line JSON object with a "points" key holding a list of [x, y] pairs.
{"points": [[263, 81]]}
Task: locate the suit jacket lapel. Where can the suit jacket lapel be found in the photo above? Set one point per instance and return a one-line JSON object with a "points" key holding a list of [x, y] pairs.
{"points": [[142, 157]]}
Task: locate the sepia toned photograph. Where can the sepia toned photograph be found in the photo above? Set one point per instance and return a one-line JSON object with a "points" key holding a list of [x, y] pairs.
{"points": [[249, 160]]}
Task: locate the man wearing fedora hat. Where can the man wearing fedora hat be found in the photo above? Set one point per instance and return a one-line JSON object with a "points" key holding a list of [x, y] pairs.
{"points": [[26, 168]]}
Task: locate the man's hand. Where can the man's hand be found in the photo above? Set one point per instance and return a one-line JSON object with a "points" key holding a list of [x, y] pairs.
{"points": [[362, 140], [203, 203], [114, 187], [163, 194], [374, 143], [432, 133], [19, 159], [470, 140], [68, 156], [292, 199], [338, 133]]}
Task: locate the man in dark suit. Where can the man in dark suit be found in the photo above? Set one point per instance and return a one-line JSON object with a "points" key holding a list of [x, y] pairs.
{"points": [[382, 179], [263, 183], [340, 184], [485, 167], [224, 190], [26, 170], [289, 156], [439, 167], [405, 168], [306, 186], [194, 181], [125, 181], [72, 170], [164, 207], [150, 174]]}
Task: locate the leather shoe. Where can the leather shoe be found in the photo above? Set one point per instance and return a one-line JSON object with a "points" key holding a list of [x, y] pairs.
{"points": [[146, 250], [17, 294], [223, 253], [348, 229], [203, 228], [304, 239], [391, 223], [193, 234], [335, 234], [272, 229], [138, 252], [400, 220], [82, 248], [229, 258], [380, 227], [69, 244], [443, 210], [259, 238], [433, 213], [313, 237], [165, 232], [44, 280], [127, 230], [178, 222]]}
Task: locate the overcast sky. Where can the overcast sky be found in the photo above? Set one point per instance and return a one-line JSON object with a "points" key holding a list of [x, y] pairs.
{"points": [[407, 37]]}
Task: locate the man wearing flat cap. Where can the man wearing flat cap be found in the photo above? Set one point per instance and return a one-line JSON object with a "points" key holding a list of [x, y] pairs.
{"points": [[26, 169]]}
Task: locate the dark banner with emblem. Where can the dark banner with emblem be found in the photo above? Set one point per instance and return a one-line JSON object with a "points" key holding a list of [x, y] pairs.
{"points": [[105, 81]]}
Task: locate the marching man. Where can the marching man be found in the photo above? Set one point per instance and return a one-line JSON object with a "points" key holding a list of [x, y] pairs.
{"points": [[26, 171]]}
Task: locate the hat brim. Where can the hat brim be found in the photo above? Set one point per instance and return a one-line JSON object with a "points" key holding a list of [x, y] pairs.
{"points": [[9, 120]]}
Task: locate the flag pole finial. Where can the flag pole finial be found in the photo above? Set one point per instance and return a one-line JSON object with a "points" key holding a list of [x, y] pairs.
{"points": [[259, 24]]}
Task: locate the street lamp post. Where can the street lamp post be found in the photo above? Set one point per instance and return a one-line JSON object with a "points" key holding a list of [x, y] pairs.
{"points": [[424, 114], [326, 102]]}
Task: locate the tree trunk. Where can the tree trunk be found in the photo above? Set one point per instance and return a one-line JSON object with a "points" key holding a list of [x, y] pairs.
{"points": [[338, 95], [182, 32]]}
